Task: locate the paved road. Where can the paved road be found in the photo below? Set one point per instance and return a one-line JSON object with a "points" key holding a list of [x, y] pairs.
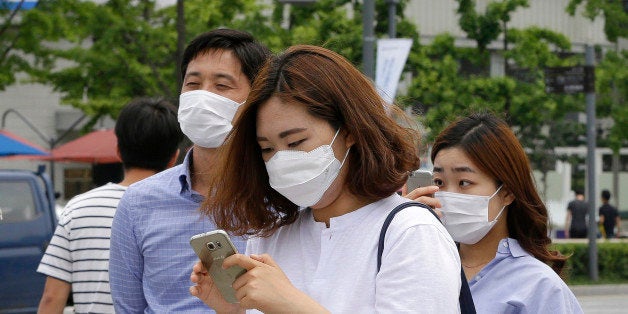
{"points": [[604, 304], [602, 299], [594, 299]]}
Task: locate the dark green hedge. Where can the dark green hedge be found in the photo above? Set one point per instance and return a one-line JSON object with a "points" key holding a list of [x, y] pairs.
{"points": [[612, 261]]}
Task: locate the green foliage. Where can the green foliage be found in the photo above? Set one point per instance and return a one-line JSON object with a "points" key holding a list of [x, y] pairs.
{"points": [[485, 28], [614, 13], [11, 55], [612, 261], [98, 55], [612, 89], [612, 72]]}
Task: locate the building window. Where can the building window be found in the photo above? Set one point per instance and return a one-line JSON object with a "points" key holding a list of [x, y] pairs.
{"points": [[607, 163], [77, 181]]}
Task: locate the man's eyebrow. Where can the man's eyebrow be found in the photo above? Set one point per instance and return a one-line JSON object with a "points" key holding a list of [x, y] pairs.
{"points": [[225, 76], [195, 73], [214, 76]]}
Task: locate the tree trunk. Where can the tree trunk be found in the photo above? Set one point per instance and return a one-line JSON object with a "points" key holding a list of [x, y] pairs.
{"points": [[180, 43]]}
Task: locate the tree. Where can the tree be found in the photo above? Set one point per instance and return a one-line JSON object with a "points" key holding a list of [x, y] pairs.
{"points": [[444, 90], [99, 56], [11, 56], [615, 13], [611, 74]]}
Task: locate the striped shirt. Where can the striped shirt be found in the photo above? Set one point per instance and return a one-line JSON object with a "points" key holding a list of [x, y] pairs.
{"points": [[79, 250]]}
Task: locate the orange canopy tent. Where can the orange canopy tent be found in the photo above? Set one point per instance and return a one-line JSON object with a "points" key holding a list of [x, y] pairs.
{"points": [[97, 147]]}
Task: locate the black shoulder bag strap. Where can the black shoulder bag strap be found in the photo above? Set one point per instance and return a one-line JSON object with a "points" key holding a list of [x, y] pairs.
{"points": [[465, 299]]}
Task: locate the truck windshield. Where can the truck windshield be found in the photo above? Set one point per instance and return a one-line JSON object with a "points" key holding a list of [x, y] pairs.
{"points": [[16, 202]]}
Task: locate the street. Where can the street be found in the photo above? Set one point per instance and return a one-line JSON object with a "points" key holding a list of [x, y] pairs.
{"points": [[607, 299]]}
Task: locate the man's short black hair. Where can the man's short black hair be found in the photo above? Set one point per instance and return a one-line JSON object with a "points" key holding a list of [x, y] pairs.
{"points": [[251, 53], [148, 133], [606, 195]]}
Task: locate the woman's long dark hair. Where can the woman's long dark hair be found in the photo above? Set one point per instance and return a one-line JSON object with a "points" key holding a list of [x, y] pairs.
{"points": [[493, 147]]}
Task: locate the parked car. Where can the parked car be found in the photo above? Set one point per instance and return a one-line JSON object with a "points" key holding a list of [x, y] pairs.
{"points": [[27, 223]]}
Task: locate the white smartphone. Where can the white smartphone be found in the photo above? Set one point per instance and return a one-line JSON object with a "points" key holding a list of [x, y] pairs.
{"points": [[212, 248], [419, 178]]}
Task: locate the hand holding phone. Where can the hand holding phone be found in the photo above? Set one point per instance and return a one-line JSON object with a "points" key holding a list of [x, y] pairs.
{"points": [[212, 248], [419, 178]]}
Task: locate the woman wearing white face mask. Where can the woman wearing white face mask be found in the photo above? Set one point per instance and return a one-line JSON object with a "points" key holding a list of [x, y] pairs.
{"points": [[311, 167], [491, 207]]}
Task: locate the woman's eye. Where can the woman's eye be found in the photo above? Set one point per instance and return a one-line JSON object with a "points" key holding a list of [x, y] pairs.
{"points": [[295, 144], [464, 183], [266, 150], [438, 182]]}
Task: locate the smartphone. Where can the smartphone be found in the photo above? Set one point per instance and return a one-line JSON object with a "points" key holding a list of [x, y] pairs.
{"points": [[419, 178], [212, 248]]}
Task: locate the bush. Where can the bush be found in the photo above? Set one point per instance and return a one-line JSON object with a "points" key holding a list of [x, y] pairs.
{"points": [[612, 261]]}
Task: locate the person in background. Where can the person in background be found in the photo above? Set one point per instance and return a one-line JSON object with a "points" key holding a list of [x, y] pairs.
{"points": [[609, 217], [490, 206], [150, 250], [77, 258], [576, 219], [319, 164]]}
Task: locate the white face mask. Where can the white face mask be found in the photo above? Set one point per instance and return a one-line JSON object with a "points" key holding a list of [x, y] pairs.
{"points": [[205, 117], [303, 177], [466, 216]]}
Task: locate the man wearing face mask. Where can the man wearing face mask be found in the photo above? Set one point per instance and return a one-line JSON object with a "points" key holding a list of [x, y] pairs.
{"points": [[150, 252]]}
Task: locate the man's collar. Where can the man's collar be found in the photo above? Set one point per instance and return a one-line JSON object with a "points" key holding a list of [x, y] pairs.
{"points": [[184, 176]]}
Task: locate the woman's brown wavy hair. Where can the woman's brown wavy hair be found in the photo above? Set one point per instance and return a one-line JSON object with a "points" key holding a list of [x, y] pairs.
{"points": [[241, 200], [493, 147]]}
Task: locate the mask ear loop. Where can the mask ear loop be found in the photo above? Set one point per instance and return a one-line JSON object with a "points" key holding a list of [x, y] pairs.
{"points": [[500, 213], [501, 210], [334, 139], [346, 154], [499, 188]]}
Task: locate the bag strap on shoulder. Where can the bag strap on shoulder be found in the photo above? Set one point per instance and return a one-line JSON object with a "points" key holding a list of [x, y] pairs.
{"points": [[465, 299], [389, 218]]}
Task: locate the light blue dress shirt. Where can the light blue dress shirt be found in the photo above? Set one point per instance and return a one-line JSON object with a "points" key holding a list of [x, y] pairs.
{"points": [[151, 258], [516, 282]]}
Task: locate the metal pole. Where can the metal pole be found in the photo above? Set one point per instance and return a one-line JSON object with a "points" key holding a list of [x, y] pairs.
{"points": [[591, 175], [52, 142], [368, 36], [392, 21]]}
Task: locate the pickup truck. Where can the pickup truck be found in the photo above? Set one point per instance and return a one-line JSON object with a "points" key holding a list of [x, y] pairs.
{"points": [[27, 223]]}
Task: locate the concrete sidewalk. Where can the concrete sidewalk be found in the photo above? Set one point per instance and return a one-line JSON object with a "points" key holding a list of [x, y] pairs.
{"points": [[602, 299], [605, 289]]}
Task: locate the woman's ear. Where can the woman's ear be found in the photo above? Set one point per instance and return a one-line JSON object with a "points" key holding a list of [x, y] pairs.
{"points": [[508, 197], [349, 140]]}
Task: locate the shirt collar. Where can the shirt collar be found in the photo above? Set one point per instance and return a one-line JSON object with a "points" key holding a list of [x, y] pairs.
{"points": [[510, 246], [184, 173]]}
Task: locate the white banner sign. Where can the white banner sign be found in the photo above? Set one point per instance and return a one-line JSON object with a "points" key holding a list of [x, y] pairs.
{"points": [[391, 57]]}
